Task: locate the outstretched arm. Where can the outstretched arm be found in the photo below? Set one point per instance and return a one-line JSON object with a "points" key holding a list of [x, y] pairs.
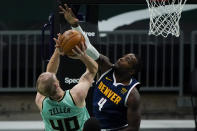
{"points": [[54, 61], [79, 91], [103, 61], [52, 66]]}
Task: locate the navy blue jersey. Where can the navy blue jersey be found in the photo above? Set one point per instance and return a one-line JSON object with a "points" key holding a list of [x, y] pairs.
{"points": [[110, 100]]}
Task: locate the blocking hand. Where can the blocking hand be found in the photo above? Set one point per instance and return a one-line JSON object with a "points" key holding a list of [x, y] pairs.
{"points": [[68, 15]]}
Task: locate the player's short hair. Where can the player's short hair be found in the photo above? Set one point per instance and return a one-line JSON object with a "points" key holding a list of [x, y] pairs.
{"points": [[136, 66], [45, 84]]}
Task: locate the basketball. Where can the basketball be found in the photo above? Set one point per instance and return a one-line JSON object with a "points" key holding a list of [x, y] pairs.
{"points": [[70, 39]]}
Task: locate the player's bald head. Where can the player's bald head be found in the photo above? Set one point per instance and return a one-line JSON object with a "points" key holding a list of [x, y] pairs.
{"points": [[45, 83]]}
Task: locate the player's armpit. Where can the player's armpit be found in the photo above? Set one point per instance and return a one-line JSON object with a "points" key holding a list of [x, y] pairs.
{"points": [[133, 111]]}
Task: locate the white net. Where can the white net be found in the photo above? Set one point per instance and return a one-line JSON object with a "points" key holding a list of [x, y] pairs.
{"points": [[165, 16]]}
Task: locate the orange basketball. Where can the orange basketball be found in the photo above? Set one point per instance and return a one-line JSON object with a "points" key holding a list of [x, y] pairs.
{"points": [[70, 39]]}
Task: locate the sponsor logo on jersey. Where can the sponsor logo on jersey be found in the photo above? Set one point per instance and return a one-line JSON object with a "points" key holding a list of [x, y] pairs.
{"points": [[123, 90], [112, 96]]}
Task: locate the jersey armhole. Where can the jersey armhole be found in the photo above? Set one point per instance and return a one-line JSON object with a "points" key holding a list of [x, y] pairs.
{"points": [[125, 102], [43, 102], [72, 97]]}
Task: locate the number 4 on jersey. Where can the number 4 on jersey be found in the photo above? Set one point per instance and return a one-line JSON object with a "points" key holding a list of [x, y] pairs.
{"points": [[101, 103]]}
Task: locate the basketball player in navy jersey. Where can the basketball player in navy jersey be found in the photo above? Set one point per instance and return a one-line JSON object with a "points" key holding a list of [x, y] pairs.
{"points": [[116, 100]]}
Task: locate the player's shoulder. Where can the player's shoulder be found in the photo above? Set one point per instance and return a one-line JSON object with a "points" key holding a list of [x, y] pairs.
{"points": [[134, 92], [134, 83], [134, 97]]}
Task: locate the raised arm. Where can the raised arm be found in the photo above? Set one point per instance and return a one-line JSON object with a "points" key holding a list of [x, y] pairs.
{"points": [[91, 65], [52, 67], [79, 91], [54, 61], [103, 61]]}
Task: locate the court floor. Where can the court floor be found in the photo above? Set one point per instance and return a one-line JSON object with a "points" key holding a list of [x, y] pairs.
{"points": [[146, 125]]}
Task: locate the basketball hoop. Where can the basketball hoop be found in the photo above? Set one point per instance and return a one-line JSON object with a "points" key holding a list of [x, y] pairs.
{"points": [[165, 16]]}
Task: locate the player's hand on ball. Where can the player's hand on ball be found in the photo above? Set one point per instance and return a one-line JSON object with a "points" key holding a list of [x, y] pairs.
{"points": [[79, 53], [57, 43], [69, 15]]}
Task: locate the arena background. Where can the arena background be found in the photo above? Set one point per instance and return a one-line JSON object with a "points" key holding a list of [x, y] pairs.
{"points": [[168, 63]]}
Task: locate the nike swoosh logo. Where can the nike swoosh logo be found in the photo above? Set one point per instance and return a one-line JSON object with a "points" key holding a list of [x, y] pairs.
{"points": [[108, 79]]}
